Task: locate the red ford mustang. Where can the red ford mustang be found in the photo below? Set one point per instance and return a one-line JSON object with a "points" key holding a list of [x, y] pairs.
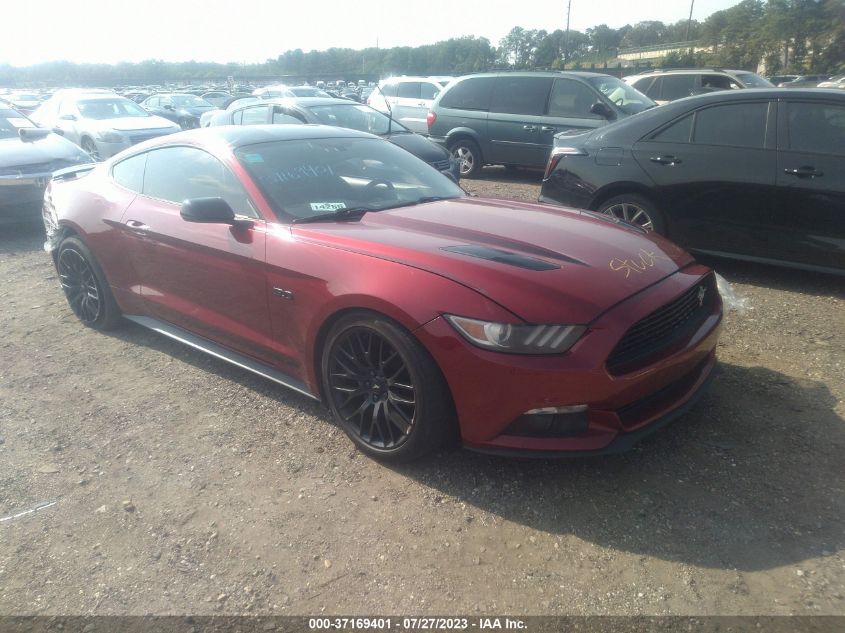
{"points": [[345, 268]]}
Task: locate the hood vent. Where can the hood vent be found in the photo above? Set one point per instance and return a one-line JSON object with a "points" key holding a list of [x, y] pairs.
{"points": [[500, 256]]}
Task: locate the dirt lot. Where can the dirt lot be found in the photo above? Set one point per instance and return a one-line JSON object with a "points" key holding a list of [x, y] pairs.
{"points": [[184, 485]]}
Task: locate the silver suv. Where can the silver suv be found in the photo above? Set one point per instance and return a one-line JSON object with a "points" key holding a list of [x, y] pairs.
{"points": [[669, 84], [407, 99], [100, 121]]}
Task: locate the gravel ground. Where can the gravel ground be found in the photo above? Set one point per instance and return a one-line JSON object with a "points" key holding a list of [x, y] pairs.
{"points": [[183, 485]]}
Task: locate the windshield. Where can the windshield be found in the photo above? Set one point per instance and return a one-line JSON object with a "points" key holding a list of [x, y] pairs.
{"points": [[306, 178], [189, 101], [11, 121], [627, 98], [100, 109], [754, 81], [356, 117]]}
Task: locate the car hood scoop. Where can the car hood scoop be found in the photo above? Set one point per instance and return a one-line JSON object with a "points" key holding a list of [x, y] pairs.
{"points": [[503, 257], [546, 264]]}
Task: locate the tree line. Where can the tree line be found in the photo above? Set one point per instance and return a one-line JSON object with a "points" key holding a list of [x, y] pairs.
{"points": [[784, 35]]}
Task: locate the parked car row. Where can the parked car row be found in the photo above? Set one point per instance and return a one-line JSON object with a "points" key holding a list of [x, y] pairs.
{"points": [[339, 113]]}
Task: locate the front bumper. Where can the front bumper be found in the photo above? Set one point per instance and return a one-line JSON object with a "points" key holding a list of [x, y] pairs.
{"points": [[491, 390]]}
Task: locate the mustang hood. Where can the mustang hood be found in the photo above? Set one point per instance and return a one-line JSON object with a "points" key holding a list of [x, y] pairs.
{"points": [[545, 264]]}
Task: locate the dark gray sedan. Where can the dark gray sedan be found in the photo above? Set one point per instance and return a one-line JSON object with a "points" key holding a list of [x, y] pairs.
{"points": [[28, 158], [340, 113]]}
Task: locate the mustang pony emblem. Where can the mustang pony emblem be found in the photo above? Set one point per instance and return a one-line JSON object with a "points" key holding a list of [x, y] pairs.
{"points": [[644, 260]]}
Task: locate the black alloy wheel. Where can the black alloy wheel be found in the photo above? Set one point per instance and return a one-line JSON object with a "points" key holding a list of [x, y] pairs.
{"points": [[84, 286], [384, 389]]}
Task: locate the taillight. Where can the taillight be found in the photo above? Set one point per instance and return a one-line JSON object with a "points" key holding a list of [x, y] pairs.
{"points": [[557, 154], [430, 119]]}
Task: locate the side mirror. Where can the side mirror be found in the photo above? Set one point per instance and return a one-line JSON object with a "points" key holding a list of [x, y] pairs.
{"points": [[29, 134], [168, 107], [207, 211], [68, 117], [603, 110], [59, 131]]}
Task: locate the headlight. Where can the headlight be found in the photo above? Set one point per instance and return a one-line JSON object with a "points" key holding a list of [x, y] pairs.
{"points": [[110, 136], [517, 339]]}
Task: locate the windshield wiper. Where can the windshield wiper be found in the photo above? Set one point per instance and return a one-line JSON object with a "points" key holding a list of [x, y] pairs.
{"points": [[353, 213], [422, 200]]}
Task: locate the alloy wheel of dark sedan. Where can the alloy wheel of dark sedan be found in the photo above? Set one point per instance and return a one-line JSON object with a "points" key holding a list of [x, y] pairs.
{"points": [[80, 285], [372, 388], [635, 210]]}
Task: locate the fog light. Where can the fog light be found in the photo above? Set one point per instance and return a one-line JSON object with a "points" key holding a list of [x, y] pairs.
{"points": [[551, 422]]}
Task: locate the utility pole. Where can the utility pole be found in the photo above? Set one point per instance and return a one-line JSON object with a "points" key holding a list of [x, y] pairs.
{"points": [[566, 35], [689, 21]]}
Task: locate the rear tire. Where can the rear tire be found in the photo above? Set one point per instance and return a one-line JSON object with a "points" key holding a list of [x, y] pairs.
{"points": [[85, 286], [384, 389], [468, 155], [635, 209]]}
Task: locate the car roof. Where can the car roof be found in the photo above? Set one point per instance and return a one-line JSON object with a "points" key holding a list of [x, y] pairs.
{"points": [[173, 94], [665, 71], [235, 136], [537, 73]]}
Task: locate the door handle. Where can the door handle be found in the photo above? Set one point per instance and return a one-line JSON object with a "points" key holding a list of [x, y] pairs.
{"points": [[529, 128], [548, 128], [136, 226], [804, 172], [665, 160]]}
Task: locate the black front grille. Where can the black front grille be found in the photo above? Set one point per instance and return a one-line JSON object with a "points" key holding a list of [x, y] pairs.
{"points": [[41, 168], [441, 165], [663, 327]]}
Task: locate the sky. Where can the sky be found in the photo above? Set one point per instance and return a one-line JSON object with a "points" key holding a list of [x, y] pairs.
{"points": [[247, 31]]}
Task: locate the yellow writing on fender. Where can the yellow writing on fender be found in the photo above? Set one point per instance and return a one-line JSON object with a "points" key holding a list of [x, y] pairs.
{"points": [[637, 264]]}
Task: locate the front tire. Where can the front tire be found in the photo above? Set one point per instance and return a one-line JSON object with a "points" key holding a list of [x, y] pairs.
{"points": [[468, 156], [384, 389], [636, 210], [91, 147], [85, 286]]}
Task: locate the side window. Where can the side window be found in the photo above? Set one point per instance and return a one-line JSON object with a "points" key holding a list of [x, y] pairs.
{"points": [[287, 116], [678, 132], [389, 90], [716, 82], [644, 84], [469, 94], [428, 91], [165, 101], [654, 89], [521, 95], [152, 102], [176, 174], [256, 115], [677, 87], [733, 125], [816, 127], [571, 98], [129, 173], [409, 90]]}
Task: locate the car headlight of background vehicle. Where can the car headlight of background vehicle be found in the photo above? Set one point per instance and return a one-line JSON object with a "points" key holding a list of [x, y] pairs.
{"points": [[111, 136], [517, 339]]}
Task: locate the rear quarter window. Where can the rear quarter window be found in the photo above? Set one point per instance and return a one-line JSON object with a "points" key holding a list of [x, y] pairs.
{"points": [[129, 173], [470, 94]]}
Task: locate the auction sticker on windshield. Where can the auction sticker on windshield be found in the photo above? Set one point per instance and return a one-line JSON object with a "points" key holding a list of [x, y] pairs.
{"points": [[327, 206]]}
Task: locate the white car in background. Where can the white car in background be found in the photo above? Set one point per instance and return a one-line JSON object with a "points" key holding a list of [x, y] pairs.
{"points": [[407, 100], [100, 121]]}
